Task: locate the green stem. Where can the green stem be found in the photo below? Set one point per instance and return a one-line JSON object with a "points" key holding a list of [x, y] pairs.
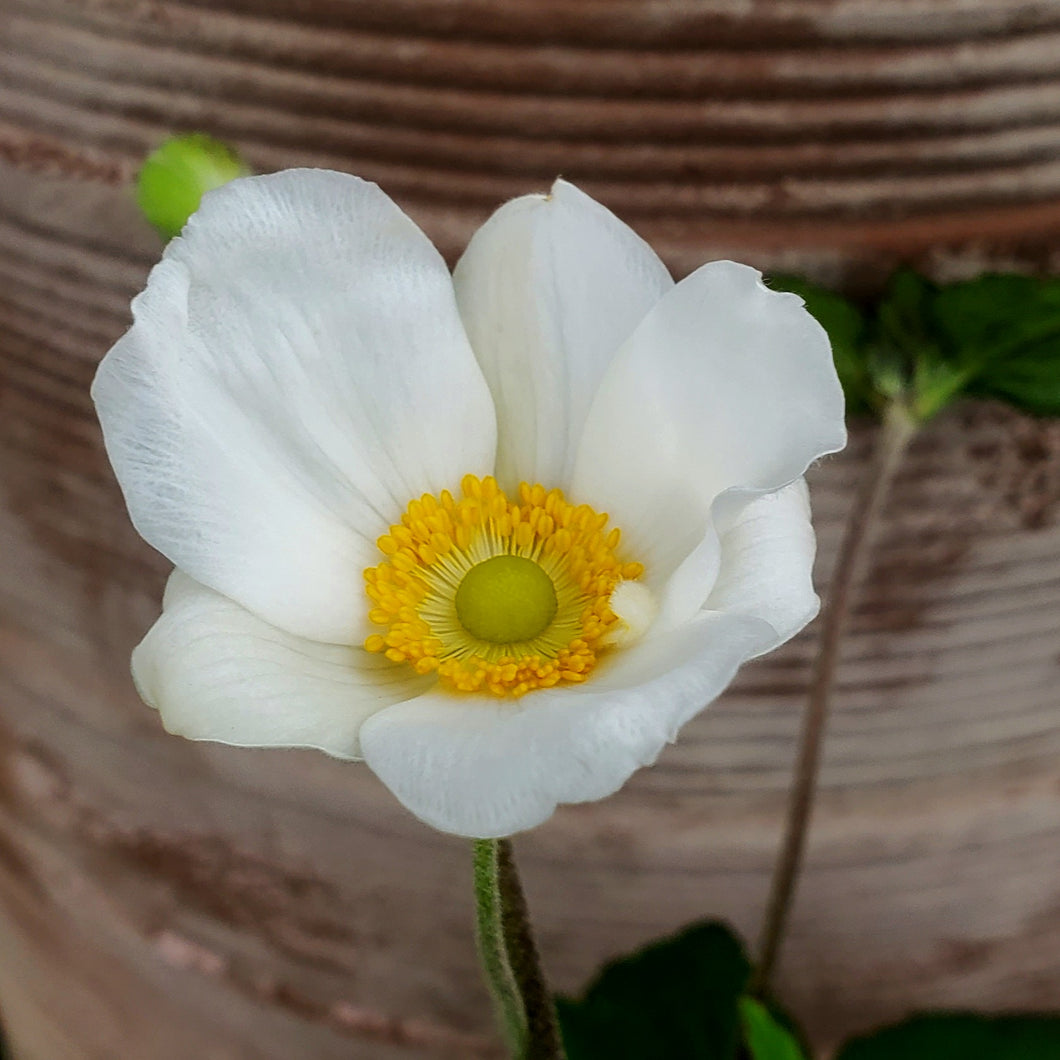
{"points": [[894, 436], [545, 1042], [493, 949], [510, 961]]}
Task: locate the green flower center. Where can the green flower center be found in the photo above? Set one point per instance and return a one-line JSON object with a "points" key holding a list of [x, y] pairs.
{"points": [[506, 600]]}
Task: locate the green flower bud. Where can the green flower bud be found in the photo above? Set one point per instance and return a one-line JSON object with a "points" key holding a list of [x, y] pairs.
{"points": [[175, 177]]}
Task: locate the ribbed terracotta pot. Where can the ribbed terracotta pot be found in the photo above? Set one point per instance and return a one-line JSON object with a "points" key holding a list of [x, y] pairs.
{"points": [[161, 899]]}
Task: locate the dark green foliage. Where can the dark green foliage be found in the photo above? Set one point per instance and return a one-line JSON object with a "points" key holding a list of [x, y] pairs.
{"points": [[1006, 331], [996, 336], [961, 1037], [677, 999]]}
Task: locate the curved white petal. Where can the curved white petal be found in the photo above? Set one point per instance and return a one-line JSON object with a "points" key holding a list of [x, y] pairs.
{"points": [[725, 389], [682, 594], [216, 672], [549, 288], [767, 553], [480, 767], [297, 371]]}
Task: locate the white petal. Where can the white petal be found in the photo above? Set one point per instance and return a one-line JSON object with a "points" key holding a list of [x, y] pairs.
{"points": [[296, 373], [767, 553], [215, 672], [549, 288], [724, 386], [479, 767], [683, 593]]}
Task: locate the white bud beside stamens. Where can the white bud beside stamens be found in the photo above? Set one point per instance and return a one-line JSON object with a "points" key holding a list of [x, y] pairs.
{"points": [[635, 607]]}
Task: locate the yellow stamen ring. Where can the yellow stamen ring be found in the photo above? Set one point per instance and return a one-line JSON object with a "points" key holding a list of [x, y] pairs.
{"points": [[496, 595]]}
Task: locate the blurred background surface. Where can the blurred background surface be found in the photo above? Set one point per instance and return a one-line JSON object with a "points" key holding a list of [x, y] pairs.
{"points": [[160, 899]]}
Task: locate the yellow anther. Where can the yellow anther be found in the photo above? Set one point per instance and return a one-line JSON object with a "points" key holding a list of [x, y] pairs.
{"points": [[427, 556]]}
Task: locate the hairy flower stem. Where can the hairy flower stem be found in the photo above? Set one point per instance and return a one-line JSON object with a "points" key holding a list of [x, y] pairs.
{"points": [[893, 437], [510, 961]]}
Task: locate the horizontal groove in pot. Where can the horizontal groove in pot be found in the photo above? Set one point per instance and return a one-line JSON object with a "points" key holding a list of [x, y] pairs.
{"points": [[682, 23], [855, 66], [704, 123]]}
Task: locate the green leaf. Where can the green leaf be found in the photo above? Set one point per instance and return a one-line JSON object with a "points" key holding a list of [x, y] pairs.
{"points": [[764, 1037], [175, 177], [904, 314], [923, 344], [1004, 331], [847, 330], [961, 1037], [677, 999], [902, 353]]}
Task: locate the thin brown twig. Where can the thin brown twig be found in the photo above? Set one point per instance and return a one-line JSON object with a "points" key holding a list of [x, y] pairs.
{"points": [[892, 440]]}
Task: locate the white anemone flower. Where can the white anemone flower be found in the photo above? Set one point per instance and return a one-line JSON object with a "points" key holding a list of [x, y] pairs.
{"points": [[499, 533]]}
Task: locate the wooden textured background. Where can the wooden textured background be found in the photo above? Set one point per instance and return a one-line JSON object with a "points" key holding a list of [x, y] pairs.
{"points": [[160, 899]]}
